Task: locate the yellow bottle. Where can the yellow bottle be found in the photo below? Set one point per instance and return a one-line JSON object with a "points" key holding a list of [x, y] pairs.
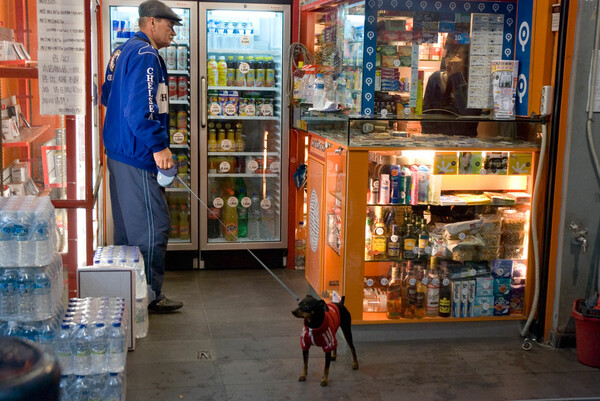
{"points": [[213, 71], [231, 139], [220, 139], [378, 236], [240, 144], [222, 69], [212, 140]]}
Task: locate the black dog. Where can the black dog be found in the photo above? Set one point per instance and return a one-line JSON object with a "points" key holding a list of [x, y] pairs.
{"points": [[321, 322]]}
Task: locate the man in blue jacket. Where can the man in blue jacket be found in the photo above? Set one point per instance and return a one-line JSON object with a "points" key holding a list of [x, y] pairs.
{"points": [[136, 139]]}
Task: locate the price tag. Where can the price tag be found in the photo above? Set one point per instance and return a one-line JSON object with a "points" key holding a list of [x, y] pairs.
{"points": [[178, 137], [224, 167], [226, 145], [246, 202], [245, 40], [250, 110], [230, 109], [218, 203], [383, 112], [265, 203], [215, 109], [275, 166], [244, 68], [396, 63], [232, 201], [252, 166], [266, 110]]}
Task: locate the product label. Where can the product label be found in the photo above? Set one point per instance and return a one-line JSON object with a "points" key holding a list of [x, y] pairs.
{"points": [[230, 109], [409, 244], [246, 202], [224, 167], [275, 166], [378, 245], [379, 231], [265, 203], [445, 305], [232, 201], [226, 145], [218, 203], [252, 166], [214, 109]]}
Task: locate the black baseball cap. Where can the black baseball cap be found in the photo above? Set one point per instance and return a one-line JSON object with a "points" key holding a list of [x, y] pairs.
{"points": [[158, 9]]}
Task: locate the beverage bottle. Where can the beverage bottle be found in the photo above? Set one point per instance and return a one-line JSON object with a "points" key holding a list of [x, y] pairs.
{"points": [[319, 93], [231, 139], [393, 242], [213, 71], [242, 212], [99, 342], [231, 67], [184, 223], [64, 387], [222, 71], [300, 247], [62, 349], [422, 282], [267, 217], [298, 89], [80, 390], [394, 294], [423, 190], [249, 32], [395, 184], [6, 245], [214, 214], [116, 347], [251, 75], [211, 31], [114, 388], [384, 169], [221, 137], [220, 39], [340, 91], [368, 240], [230, 217], [270, 72], [41, 238], [378, 236], [82, 351], [254, 217], [445, 295], [8, 294], [25, 287], [423, 243], [240, 76], [433, 290], [233, 34], [42, 295], [240, 144], [409, 243], [414, 185], [261, 73], [212, 140], [411, 292], [96, 385], [174, 230]]}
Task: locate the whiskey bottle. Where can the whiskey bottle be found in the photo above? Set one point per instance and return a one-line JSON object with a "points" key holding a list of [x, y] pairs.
{"points": [[394, 294], [393, 242], [411, 292], [378, 236], [422, 281], [445, 295], [409, 243]]}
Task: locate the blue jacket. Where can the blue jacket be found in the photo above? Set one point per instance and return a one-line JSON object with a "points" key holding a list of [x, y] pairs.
{"points": [[135, 94]]}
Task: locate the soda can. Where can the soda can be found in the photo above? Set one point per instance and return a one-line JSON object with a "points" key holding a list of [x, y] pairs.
{"points": [[182, 88], [172, 88], [182, 119], [171, 60], [182, 57]]}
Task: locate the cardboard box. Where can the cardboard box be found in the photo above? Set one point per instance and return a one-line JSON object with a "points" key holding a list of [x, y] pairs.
{"points": [[9, 129], [502, 268], [501, 305], [517, 293], [471, 297], [19, 171], [16, 188], [464, 298], [7, 50], [483, 306], [7, 34], [484, 286], [502, 286]]}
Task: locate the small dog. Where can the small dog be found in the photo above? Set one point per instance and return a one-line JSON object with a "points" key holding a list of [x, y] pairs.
{"points": [[321, 322]]}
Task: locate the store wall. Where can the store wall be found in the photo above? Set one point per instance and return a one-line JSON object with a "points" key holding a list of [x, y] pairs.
{"points": [[576, 271]]}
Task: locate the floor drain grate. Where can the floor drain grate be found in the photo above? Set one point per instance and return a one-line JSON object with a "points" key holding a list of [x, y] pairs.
{"points": [[203, 355]]}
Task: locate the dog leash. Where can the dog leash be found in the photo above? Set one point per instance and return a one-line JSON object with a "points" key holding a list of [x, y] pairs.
{"points": [[246, 248]]}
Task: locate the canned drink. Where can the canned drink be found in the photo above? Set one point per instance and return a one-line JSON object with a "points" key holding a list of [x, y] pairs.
{"points": [[214, 108], [182, 119], [163, 53], [182, 164], [172, 88], [171, 61], [182, 88], [182, 57], [242, 102]]}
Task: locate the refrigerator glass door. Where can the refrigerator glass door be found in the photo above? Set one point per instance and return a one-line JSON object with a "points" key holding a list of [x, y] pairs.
{"points": [[245, 125], [181, 61]]}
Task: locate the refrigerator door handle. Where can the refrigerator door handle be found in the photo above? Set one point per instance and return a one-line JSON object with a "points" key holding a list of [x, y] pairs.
{"points": [[204, 97]]}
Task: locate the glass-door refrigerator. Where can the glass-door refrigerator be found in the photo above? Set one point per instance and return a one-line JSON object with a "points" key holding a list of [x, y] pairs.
{"points": [[120, 22], [243, 125]]}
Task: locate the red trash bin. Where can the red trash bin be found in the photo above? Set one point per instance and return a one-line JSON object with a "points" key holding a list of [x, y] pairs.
{"points": [[587, 335]]}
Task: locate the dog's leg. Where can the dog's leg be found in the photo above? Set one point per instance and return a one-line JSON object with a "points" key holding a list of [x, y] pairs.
{"points": [[305, 368], [324, 379], [345, 325]]}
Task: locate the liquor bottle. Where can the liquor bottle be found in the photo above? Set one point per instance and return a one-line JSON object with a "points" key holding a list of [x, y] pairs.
{"points": [[214, 214], [378, 236], [394, 294], [230, 217], [433, 290], [422, 282], [393, 242], [368, 239], [409, 243], [423, 241], [411, 291], [445, 299]]}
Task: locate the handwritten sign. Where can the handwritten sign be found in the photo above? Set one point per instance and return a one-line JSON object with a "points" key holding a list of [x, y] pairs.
{"points": [[61, 56]]}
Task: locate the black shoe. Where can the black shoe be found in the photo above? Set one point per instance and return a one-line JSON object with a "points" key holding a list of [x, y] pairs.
{"points": [[164, 305]]}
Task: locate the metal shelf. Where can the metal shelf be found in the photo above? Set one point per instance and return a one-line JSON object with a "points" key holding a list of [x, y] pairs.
{"points": [[243, 118]]}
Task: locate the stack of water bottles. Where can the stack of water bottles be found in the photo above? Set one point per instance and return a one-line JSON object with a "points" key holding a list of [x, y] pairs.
{"points": [[230, 34], [31, 271], [91, 347], [129, 256]]}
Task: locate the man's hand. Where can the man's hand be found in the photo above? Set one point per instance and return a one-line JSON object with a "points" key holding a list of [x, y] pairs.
{"points": [[164, 159]]}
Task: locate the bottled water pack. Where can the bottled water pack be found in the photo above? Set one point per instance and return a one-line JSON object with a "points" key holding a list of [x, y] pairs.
{"points": [[129, 256], [27, 231], [100, 387]]}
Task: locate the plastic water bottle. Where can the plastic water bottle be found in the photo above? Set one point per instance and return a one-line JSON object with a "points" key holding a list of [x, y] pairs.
{"points": [[96, 384], [41, 239], [25, 287], [80, 390], [8, 293], [114, 388], [254, 218], [6, 244], [42, 294], [340, 92], [116, 348], [99, 344], [62, 348], [300, 249], [141, 317], [82, 350], [319, 93], [64, 387], [46, 334], [267, 217]]}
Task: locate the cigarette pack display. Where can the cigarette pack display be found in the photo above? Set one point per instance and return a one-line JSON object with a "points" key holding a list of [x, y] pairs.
{"points": [[504, 88], [520, 197], [517, 293]]}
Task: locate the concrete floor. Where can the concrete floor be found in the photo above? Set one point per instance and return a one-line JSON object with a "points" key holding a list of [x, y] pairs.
{"points": [[235, 339]]}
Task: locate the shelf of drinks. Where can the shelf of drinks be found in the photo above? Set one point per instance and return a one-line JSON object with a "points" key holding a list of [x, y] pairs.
{"points": [[252, 52], [247, 88], [178, 72], [224, 241], [182, 102], [380, 317], [242, 154], [176, 189], [244, 118], [178, 241], [27, 135], [243, 175], [179, 41], [179, 146]]}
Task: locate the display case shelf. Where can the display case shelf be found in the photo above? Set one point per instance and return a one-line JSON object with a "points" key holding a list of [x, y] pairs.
{"points": [[184, 102], [178, 72], [251, 52], [20, 70], [27, 136], [256, 118], [243, 175], [246, 88], [242, 154]]}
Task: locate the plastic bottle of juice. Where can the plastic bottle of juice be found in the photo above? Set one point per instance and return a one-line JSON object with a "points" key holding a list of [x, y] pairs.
{"points": [[240, 144], [240, 77], [260, 72], [222, 70], [213, 71], [231, 67], [212, 140], [251, 75], [270, 72]]}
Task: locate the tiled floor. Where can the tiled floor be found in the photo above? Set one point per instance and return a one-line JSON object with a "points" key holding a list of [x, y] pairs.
{"points": [[235, 339]]}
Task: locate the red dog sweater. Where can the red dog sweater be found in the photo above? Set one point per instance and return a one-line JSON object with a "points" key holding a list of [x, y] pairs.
{"points": [[323, 336]]}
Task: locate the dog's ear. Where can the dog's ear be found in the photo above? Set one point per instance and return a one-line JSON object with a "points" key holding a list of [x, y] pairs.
{"points": [[324, 305]]}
